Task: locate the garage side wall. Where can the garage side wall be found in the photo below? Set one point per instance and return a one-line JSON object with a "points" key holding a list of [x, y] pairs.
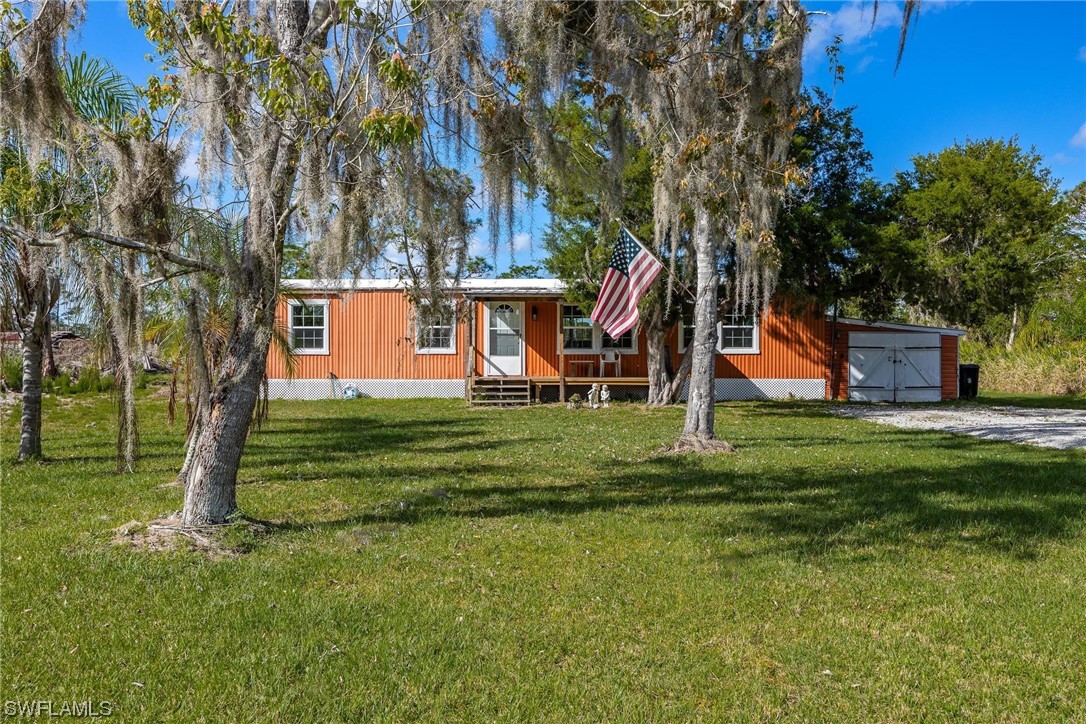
{"points": [[949, 366]]}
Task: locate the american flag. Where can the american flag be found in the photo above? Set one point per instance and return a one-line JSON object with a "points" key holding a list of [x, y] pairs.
{"points": [[631, 272]]}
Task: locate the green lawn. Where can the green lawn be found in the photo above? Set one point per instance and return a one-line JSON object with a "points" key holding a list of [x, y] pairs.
{"points": [[443, 563]]}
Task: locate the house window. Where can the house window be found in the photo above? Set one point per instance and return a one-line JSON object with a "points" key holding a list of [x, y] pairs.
{"points": [[625, 343], [435, 331], [736, 333], [739, 333], [578, 333], [309, 326], [686, 330]]}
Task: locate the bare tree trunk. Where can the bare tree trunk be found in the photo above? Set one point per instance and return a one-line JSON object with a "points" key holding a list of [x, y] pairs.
{"points": [[698, 433], [699, 404], [1014, 329], [664, 388], [670, 394], [50, 362], [659, 379], [30, 430]]}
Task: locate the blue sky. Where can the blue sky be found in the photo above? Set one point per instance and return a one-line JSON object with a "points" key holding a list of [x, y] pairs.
{"points": [[971, 70]]}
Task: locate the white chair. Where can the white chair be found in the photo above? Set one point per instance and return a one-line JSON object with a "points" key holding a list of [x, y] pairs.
{"points": [[610, 357]]}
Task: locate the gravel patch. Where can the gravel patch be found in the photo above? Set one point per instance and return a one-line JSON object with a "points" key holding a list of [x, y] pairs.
{"points": [[1063, 429]]}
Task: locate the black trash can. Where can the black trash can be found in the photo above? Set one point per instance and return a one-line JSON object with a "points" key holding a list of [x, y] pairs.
{"points": [[968, 381]]}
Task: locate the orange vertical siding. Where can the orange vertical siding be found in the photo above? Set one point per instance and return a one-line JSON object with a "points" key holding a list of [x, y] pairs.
{"points": [[948, 362], [791, 348], [369, 337]]}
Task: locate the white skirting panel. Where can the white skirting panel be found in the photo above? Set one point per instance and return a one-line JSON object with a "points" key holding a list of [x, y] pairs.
{"points": [[741, 388], [325, 389]]}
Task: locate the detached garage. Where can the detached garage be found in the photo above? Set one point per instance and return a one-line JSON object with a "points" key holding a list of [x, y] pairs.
{"points": [[887, 362]]}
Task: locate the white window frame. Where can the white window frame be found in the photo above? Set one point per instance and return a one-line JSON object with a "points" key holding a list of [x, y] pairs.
{"points": [[451, 349], [756, 349], [597, 338], [756, 337], [294, 304]]}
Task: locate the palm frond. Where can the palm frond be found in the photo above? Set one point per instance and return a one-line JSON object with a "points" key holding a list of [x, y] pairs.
{"points": [[98, 92]]}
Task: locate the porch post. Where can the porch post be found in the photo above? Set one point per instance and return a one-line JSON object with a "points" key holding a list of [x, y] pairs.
{"points": [[561, 356], [469, 350]]}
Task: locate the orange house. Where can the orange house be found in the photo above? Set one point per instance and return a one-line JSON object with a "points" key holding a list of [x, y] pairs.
{"points": [[519, 339]]}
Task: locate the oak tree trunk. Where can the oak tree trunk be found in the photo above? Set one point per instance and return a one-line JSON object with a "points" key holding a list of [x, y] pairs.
{"points": [[210, 488], [699, 407], [659, 379], [664, 388]]}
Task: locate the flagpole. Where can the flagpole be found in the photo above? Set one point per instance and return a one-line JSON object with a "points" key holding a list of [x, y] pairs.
{"points": [[666, 267]]}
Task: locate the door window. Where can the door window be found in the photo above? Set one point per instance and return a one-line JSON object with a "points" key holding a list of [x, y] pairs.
{"points": [[504, 331]]}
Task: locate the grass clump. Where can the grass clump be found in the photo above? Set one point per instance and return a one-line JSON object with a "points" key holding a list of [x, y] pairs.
{"points": [[1051, 370]]}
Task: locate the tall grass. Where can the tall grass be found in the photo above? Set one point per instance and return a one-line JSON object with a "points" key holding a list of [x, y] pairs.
{"points": [[1050, 370]]}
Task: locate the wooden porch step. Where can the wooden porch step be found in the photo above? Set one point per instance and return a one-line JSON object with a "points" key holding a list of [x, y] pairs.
{"points": [[501, 391]]}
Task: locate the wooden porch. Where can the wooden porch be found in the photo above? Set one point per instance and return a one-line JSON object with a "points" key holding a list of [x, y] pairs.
{"points": [[522, 390], [578, 370]]}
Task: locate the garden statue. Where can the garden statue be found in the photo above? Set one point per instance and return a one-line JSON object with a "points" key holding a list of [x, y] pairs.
{"points": [[594, 396], [605, 397], [574, 401]]}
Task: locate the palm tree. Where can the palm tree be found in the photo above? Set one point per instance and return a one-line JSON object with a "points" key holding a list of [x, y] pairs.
{"points": [[36, 192]]}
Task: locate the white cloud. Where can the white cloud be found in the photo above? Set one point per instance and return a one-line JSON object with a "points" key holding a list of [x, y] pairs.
{"points": [[1079, 139], [857, 23], [522, 241], [853, 22], [478, 246]]}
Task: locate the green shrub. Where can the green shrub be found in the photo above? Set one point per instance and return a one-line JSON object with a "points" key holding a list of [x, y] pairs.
{"points": [[12, 370]]}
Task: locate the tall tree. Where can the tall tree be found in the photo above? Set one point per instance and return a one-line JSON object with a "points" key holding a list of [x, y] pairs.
{"points": [[985, 216], [832, 222], [41, 187]]}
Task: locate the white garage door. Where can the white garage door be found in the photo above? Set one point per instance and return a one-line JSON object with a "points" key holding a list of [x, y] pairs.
{"points": [[889, 367]]}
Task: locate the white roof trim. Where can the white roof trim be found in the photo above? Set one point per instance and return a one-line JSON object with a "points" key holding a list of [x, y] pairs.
{"points": [[903, 327], [467, 286]]}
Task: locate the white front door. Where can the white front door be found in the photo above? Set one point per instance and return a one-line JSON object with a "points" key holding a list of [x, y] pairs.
{"points": [[504, 350], [888, 367]]}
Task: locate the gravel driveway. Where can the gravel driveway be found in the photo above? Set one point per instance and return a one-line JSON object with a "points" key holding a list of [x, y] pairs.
{"points": [[1063, 429]]}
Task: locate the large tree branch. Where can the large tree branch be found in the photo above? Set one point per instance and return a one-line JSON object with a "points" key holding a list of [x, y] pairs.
{"points": [[148, 249], [145, 249]]}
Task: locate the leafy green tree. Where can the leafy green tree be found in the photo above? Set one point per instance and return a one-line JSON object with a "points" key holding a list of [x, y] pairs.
{"points": [[984, 216], [831, 228], [521, 271]]}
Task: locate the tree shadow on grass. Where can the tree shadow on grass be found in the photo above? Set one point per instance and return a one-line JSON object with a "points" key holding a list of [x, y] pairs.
{"points": [[304, 440], [992, 505], [896, 490]]}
